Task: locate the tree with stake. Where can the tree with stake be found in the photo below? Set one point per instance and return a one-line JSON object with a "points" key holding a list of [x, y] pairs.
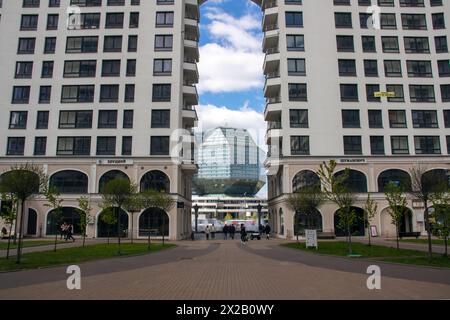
{"points": [[397, 205], [306, 201], [54, 201], [117, 194], [108, 217], [336, 191], [441, 205], [370, 210], [151, 198], [9, 216], [423, 185], [85, 215], [24, 181]]}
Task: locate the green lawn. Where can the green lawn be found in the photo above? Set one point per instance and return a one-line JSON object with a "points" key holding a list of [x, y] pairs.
{"points": [[424, 241], [380, 253], [77, 255], [29, 243]]}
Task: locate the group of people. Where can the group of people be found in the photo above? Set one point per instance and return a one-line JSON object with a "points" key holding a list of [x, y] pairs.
{"points": [[230, 230], [66, 231]]}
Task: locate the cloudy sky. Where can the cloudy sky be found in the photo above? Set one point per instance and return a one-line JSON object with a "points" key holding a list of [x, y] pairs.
{"points": [[231, 79]]}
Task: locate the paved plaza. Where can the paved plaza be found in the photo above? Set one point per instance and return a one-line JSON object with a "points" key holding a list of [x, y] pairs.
{"points": [[225, 270]]}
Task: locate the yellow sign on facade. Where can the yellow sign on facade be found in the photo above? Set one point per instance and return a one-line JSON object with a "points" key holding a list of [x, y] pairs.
{"points": [[380, 94]]}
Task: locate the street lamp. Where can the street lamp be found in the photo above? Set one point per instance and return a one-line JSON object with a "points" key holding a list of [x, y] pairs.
{"points": [[259, 208], [196, 217]]}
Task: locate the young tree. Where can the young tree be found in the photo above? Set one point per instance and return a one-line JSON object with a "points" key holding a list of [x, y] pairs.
{"points": [[9, 216], [306, 200], [397, 205], [117, 194], [85, 215], [441, 204], [155, 199], [370, 210], [109, 218], [54, 202], [423, 186], [336, 191], [23, 180], [133, 206]]}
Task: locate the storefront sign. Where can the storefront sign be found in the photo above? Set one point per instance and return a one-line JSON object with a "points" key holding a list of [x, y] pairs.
{"points": [[114, 162], [352, 160]]}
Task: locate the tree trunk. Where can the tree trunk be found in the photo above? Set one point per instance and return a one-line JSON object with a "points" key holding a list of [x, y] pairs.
{"points": [[109, 232], [56, 241], [148, 232], [164, 230], [132, 228], [9, 241], [19, 247], [349, 238], [398, 244], [428, 228], [119, 252], [446, 246], [84, 238], [368, 232], [15, 224]]}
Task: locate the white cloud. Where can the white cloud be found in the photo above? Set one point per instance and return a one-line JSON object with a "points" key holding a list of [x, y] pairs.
{"points": [[211, 116], [233, 62]]}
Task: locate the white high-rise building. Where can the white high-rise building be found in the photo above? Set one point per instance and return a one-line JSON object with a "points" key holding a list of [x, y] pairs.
{"points": [[326, 64], [94, 89]]}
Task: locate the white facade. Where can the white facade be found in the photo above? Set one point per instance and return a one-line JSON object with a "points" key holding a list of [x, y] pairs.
{"points": [[144, 59], [322, 25]]}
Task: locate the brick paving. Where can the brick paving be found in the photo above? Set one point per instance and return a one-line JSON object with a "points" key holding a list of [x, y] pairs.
{"points": [[224, 270]]}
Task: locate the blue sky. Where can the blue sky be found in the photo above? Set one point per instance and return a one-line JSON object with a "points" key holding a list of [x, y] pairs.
{"points": [[244, 17], [230, 68]]}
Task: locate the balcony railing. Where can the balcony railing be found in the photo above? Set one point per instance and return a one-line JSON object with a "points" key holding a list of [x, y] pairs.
{"points": [[191, 16], [271, 27], [272, 75], [273, 125], [273, 100], [191, 37], [190, 60], [272, 50]]}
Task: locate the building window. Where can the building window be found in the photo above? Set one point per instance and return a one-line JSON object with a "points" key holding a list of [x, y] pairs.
{"points": [[127, 146], [81, 119], [42, 120], [106, 146], [298, 118], [16, 146], [427, 145], [375, 119], [73, 146], [399, 145], [350, 119], [352, 145], [161, 92], [18, 120], [297, 92], [300, 145], [159, 145], [40, 146], [160, 118], [377, 145], [107, 119]]}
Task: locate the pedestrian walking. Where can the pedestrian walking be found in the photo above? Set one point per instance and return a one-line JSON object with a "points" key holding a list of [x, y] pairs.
{"points": [[243, 235], [232, 231], [213, 231], [69, 233], [225, 232], [267, 231], [207, 231], [63, 231]]}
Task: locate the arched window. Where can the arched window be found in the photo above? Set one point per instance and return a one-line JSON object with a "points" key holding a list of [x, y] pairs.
{"points": [[69, 215], [305, 179], [70, 182], [401, 178], [108, 176], [29, 177], [155, 221], [435, 179], [304, 221], [356, 181], [357, 229], [108, 227], [156, 180]]}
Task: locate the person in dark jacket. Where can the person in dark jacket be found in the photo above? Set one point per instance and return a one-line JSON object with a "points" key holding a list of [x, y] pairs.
{"points": [[232, 231], [225, 232], [69, 233], [243, 234], [267, 231]]}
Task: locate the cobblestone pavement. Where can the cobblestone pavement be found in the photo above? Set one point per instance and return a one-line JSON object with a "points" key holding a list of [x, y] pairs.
{"points": [[224, 270]]}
